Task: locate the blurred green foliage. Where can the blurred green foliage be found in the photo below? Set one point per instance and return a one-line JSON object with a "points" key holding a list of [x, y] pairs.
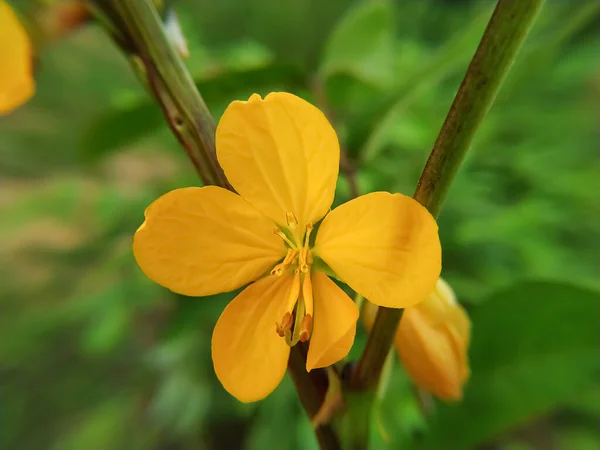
{"points": [[95, 356]]}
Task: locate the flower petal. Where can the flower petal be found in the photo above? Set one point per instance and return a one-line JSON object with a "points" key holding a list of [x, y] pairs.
{"points": [[334, 324], [16, 79], [202, 241], [384, 246], [281, 154], [250, 358]]}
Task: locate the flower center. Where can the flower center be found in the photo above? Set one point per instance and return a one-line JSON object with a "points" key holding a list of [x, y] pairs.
{"points": [[296, 323]]}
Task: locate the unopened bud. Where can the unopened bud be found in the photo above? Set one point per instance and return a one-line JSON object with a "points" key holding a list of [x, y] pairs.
{"points": [[432, 342]]}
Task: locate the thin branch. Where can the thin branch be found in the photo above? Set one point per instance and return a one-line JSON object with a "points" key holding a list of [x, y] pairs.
{"points": [[139, 31], [312, 388], [506, 31]]}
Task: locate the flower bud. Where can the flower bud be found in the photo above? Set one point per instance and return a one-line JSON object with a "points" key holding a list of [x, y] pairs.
{"points": [[16, 72], [432, 341]]}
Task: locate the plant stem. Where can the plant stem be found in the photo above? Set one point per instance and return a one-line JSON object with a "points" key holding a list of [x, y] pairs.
{"points": [[137, 28], [506, 31], [312, 388], [142, 36]]}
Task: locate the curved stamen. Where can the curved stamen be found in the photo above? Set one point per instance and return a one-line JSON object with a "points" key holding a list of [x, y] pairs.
{"points": [[297, 322], [305, 328], [280, 268], [285, 325], [291, 220], [294, 293], [287, 321], [282, 235], [304, 259], [307, 296]]}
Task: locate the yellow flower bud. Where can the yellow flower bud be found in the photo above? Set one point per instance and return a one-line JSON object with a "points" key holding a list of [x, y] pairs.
{"points": [[432, 342], [16, 76]]}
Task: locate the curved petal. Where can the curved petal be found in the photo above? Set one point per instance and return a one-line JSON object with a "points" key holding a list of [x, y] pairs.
{"points": [[202, 241], [16, 78], [281, 154], [250, 358], [334, 323], [384, 246]]}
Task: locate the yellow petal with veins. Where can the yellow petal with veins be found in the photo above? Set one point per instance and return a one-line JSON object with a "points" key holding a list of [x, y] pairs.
{"points": [[384, 246], [202, 241], [334, 323], [282, 155], [250, 358], [16, 78]]}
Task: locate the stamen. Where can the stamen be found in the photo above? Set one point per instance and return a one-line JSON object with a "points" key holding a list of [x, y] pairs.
{"points": [[282, 235], [280, 268], [304, 257], [292, 338], [307, 294], [294, 293], [309, 228], [297, 322], [285, 325], [306, 328], [291, 220]]}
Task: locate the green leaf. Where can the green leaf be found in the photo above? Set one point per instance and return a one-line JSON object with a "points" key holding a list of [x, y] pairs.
{"points": [[125, 125], [534, 346], [362, 44]]}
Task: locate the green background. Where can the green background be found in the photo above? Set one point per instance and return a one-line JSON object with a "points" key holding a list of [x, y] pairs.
{"points": [[96, 356]]}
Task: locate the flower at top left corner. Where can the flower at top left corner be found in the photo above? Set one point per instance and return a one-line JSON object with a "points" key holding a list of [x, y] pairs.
{"points": [[16, 61]]}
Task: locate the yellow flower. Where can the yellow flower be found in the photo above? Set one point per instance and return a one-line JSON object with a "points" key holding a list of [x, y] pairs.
{"points": [[282, 157], [432, 341], [16, 78]]}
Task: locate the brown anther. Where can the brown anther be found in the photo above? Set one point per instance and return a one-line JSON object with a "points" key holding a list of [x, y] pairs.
{"points": [[285, 325], [279, 330], [306, 328]]}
